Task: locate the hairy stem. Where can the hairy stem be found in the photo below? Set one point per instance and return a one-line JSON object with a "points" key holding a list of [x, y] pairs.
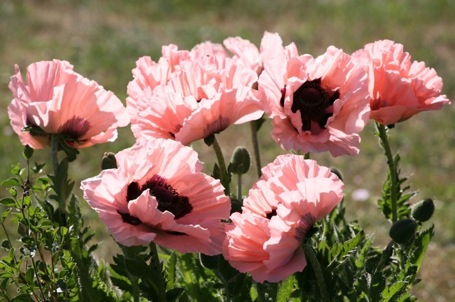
{"points": [[255, 141], [222, 164], [314, 262], [394, 192]]}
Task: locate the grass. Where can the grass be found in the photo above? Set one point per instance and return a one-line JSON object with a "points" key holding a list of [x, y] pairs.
{"points": [[103, 39]]}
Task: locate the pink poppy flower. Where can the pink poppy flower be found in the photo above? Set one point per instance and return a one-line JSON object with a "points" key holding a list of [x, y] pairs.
{"points": [[316, 104], [398, 87], [57, 100], [200, 97], [249, 54], [265, 239], [158, 193]]}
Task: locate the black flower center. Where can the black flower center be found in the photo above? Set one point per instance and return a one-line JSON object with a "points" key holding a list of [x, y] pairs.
{"points": [[314, 104], [168, 198], [271, 214]]}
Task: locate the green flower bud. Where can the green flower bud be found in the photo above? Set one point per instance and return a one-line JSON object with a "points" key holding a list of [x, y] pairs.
{"points": [[337, 173], [240, 161], [28, 152], [108, 161], [423, 210], [403, 231]]}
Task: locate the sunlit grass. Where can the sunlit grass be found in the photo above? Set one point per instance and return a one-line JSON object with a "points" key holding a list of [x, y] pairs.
{"points": [[103, 39]]}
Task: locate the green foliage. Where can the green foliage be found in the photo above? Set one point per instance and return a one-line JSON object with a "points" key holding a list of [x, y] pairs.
{"points": [[50, 261]]}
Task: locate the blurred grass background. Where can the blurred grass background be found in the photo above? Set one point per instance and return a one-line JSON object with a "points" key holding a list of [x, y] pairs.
{"points": [[103, 39]]}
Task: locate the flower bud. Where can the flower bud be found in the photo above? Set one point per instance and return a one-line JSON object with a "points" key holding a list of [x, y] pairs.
{"points": [[240, 161], [423, 210], [337, 173], [108, 161], [403, 231], [28, 152]]}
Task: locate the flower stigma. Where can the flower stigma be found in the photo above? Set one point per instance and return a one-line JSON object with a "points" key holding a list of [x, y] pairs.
{"points": [[315, 105], [167, 197]]}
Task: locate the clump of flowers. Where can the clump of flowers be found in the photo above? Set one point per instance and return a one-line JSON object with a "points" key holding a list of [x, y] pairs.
{"points": [[182, 234], [191, 95]]}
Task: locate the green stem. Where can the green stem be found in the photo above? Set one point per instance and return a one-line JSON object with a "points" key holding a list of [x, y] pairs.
{"points": [[133, 279], [255, 141], [54, 152], [394, 191], [314, 262], [155, 261], [385, 256], [222, 164], [239, 186], [266, 291]]}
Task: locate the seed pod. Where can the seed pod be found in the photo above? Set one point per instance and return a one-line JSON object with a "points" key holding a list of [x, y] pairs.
{"points": [[423, 210], [403, 231], [108, 161]]}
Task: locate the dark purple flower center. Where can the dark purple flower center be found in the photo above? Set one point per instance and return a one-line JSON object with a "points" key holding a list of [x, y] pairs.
{"points": [[168, 198], [271, 214], [74, 128], [313, 102]]}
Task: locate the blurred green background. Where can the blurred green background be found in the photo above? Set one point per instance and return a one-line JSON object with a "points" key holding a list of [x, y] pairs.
{"points": [[103, 39]]}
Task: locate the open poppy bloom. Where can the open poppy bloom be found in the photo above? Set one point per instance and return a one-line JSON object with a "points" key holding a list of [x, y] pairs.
{"points": [[188, 96], [57, 100], [316, 104], [158, 193], [398, 87], [249, 54], [265, 239]]}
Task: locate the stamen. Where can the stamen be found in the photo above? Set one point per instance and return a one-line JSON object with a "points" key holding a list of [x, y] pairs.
{"points": [[314, 104]]}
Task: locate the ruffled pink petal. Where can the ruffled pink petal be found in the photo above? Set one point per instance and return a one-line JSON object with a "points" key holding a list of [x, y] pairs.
{"points": [[209, 202], [123, 196], [245, 51], [284, 75], [399, 88], [59, 101], [243, 247], [215, 115], [162, 115]]}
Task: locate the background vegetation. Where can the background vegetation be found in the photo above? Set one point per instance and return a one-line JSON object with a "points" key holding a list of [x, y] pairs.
{"points": [[103, 39]]}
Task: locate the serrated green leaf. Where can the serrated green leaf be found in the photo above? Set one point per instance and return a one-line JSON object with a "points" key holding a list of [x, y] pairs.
{"points": [[392, 292], [16, 169], [11, 182], [6, 244], [171, 271], [339, 250], [122, 283], [8, 202], [421, 243], [286, 289], [174, 294], [22, 298], [361, 256]]}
